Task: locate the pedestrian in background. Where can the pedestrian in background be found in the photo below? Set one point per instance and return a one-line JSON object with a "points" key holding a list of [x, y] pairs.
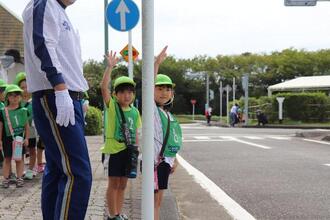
{"points": [[16, 67], [116, 146], [168, 134], [208, 115], [55, 78], [234, 115]]}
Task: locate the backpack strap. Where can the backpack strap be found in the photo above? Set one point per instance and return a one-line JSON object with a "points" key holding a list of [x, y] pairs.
{"points": [[9, 123], [124, 127]]}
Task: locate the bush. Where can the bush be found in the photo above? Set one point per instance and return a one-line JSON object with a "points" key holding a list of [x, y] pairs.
{"points": [[94, 121], [307, 107]]}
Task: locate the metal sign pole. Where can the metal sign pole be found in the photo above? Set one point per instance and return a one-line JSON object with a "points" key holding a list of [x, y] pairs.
{"points": [[130, 55], [148, 109], [221, 91]]}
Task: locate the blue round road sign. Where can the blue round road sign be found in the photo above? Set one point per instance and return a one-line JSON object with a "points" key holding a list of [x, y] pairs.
{"points": [[122, 15]]}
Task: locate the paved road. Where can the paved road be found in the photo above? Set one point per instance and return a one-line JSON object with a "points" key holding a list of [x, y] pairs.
{"points": [[269, 172]]}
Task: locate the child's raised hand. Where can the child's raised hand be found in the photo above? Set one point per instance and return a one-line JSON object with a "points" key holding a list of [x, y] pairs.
{"points": [[111, 59], [161, 56]]}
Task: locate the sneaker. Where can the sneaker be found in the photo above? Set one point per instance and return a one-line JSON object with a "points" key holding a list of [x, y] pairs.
{"points": [[40, 168], [114, 218], [123, 217], [28, 175], [19, 183], [12, 178], [5, 183]]}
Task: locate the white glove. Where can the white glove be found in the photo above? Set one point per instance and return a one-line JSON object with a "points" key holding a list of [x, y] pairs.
{"points": [[65, 109]]}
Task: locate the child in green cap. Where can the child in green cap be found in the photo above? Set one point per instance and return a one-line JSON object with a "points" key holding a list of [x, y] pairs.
{"points": [[14, 127], [26, 102], [168, 134], [120, 135], [2, 105]]}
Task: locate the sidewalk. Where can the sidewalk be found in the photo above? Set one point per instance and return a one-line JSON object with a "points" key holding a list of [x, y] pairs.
{"points": [[24, 203]]}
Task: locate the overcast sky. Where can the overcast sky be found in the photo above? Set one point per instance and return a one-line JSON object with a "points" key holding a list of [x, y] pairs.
{"points": [[207, 27]]}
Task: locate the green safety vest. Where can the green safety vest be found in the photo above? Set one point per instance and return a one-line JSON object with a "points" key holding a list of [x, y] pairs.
{"points": [[28, 106], [174, 141], [18, 118], [131, 118], [2, 105]]}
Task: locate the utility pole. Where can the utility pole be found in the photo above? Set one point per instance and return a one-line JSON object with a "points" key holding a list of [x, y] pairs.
{"points": [[147, 210], [207, 91], [106, 30], [220, 94]]}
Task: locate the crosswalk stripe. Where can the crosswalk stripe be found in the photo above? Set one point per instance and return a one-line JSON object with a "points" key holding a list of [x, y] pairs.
{"points": [[279, 137], [202, 138], [226, 137], [209, 140], [253, 137], [252, 144]]}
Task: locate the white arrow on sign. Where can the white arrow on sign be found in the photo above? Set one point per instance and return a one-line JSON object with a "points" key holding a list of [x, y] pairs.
{"points": [[122, 9]]}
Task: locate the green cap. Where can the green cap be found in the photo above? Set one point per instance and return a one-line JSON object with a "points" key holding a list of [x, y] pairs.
{"points": [[12, 88], [19, 77], [3, 83], [162, 79], [122, 80]]}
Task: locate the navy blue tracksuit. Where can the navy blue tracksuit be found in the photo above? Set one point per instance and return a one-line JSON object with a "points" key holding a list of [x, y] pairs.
{"points": [[67, 177]]}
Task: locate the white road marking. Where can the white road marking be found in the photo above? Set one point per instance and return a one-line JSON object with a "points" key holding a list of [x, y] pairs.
{"points": [[279, 137], [233, 208], [253, 137], [315, 141], [227, 137], [208, 140], [202, 137], [252, 144], [327, 164]]}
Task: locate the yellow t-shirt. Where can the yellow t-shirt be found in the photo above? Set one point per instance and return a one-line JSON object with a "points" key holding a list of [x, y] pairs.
{"points": [[112, 146]]}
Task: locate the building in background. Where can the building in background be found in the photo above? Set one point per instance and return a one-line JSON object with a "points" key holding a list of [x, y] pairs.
{"points": [[11, 31]]}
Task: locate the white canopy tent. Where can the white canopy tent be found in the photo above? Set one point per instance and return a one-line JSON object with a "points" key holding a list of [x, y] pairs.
{"points": [[302, 84]]}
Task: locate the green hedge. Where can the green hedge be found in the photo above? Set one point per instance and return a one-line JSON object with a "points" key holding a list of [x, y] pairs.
{"points": [[94, 121], [305, 107]]}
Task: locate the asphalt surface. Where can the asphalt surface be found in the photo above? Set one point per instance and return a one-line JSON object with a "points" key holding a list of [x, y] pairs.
{"points": [[285, 180], [270, 173]]}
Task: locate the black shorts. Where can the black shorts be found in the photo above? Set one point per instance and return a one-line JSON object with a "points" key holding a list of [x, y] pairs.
{"points": [[163, 172], [32, 143], [40, 144], [7, 146], [118, 163]]}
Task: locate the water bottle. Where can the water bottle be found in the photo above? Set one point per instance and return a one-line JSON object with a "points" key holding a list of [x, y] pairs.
{"points": [[17, 148]]}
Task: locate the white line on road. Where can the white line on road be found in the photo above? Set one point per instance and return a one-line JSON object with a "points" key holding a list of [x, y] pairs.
{"points": [[279, 137], [233, 208], [327, 164], [202, 138], [315, 141], [253, 137], [252, 144], [208, 140]]}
